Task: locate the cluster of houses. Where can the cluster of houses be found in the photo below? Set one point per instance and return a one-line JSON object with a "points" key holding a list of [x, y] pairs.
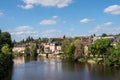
{"points": [[42, 48], [55, 47]]}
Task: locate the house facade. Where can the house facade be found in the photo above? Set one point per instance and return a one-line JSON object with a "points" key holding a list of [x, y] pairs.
{"points": [[54, 48], [18, 49]]}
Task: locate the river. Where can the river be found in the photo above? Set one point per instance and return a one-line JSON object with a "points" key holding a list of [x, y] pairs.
{"points": [[57, 69]]}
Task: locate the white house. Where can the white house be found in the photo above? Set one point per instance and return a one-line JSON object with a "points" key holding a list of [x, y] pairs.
{"points": [[18, 49], [53, 48]]}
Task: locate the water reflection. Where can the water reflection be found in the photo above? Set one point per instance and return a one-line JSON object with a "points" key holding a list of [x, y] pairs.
{"points": [[9, 74], [56, 69], [23, 60], [28, 59]]}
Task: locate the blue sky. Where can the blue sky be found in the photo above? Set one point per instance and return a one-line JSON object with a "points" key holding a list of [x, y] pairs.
{"points": [[55, 18]]}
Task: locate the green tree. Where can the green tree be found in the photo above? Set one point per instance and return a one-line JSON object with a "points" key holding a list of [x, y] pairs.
{"points": [[79, 49], [5, 49], [33, 50], [6, 39], [27, 51], [99, 47], [39, 40], [104, 35], [113, 55], [5, 60], [92, 49], [0, 39], [5, 54], [0, 31], [28, 39], [70, 51], [66, 42]]}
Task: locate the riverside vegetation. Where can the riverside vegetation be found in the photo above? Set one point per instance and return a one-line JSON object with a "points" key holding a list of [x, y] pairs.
{"points": [[5, 54], [101, 51]]}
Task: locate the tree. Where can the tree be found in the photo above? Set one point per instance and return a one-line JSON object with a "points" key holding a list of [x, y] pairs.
{"points": [[104, 35], [28, 39], [0, 40], [39, 40], [79, 49], [94, 35], [99, 47], [113, 55], [70, 51], [0, 31], [65, 44], [5, 49], [27, 51], [6, 38], [5, 54], [92, 49], [22, 41], [33, 50]]}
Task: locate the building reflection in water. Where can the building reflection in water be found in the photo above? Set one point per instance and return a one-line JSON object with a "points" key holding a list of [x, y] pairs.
{"points": [[19, 60]]}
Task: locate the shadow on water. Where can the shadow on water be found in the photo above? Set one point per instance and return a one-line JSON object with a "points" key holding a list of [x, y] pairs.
{"points": [[89, 71], [9, 74]]}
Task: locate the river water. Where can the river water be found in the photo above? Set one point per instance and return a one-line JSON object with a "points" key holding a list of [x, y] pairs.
{"points": [[57, 69]]}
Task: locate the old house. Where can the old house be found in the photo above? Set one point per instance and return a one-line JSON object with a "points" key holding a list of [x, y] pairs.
{"points": [[19, 48], [54, 48]]}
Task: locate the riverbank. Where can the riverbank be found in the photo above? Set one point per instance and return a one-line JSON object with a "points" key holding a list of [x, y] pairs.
{"points": [[92, 60], [49, 55]]}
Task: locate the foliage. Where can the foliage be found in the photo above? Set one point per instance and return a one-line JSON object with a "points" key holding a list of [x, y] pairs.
{"points": [[99, 47], [5, 39], [72, 48], [110, 53], [29, 39], [5, 49], [39, 40], [92, 49], [70, 51], [113, 55], [33, 50], [5, 53], [66, 42], [27, 51], [79, 49], [104, 35]]}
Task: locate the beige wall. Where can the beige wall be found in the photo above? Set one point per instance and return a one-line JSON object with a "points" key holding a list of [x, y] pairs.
{"points": [[18, 49]]}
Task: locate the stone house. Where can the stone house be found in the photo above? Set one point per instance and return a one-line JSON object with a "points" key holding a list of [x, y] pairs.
{"points": [[18, 49], [54, 48]]}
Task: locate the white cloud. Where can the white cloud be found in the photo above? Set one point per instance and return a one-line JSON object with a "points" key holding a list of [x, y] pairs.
{"points": [[24, 28], [106, 24], [106, 28], [113, 9], [55, 17], [102, 27], [22, 32], [46, 3], [28, 6], [51, 33], [1, 14], [85, 20], [48, 22]]}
